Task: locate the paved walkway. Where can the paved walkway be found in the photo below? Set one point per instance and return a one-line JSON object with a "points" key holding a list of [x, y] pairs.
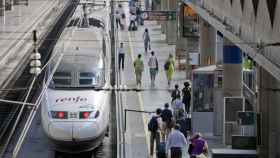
{"points": [[137, 135], [16, 32]]}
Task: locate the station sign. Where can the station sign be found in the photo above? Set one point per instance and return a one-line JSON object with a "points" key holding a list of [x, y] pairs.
{"points": [[159, 15]]}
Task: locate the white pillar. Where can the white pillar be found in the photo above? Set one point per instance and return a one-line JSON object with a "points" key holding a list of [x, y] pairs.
{"points": [[171, 34], [2, 7], [232, 83], [268, 107], [232, 69], [207, 43], [163, 23]]}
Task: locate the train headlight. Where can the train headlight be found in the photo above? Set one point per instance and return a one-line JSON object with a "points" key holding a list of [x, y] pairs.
{"points": [[88, 114], [59, 114]]}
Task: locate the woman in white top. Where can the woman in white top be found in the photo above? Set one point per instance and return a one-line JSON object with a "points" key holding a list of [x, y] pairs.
{"points": [[153, 65]]}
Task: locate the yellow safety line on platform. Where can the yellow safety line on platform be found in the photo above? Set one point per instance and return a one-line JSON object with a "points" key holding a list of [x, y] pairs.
{"points": [[140, 98]]}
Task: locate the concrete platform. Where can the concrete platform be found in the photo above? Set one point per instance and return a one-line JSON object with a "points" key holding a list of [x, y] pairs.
{"points": [[137, 135]]}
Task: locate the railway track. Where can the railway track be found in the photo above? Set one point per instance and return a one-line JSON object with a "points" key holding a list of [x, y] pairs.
{"points": [[9, 113]]}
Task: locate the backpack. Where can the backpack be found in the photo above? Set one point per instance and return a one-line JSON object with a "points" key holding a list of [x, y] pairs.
{"points": [[153, 124], [175, 94], [166, 65]]}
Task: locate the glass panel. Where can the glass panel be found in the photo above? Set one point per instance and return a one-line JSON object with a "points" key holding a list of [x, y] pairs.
{"points": [[62, 81], [62, 74], [203, 92], [86, 81], [87, 74]]}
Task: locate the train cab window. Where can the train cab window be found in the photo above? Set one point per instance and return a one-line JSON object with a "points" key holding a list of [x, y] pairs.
{"points": [[95, 78], [61, 79], [79, 71]]}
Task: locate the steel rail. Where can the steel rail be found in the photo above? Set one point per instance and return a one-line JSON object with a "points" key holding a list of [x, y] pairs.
{"points": [[34, 110], [55, 24]]}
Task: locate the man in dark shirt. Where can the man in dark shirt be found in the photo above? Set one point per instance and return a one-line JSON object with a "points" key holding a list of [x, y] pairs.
{"points": [[186, 92], [166, 116], [183, 122], [175, 93]]}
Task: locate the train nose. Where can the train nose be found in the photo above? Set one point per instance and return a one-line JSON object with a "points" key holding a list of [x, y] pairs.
{"points": [[85, 130], [61, 130]]}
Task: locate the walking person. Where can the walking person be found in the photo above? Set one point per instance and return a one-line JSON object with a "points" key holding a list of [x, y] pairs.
{"points": [[166, 116], [175, 93], [199, 147], [132, 25], [183, 122], [177, 106], [139, 18], [176, 142], [121, 10], [153, 65], [186, 92], [169, 68], [154, 127], [147, 41], [121, 53], [139, 68], [118, 19]]}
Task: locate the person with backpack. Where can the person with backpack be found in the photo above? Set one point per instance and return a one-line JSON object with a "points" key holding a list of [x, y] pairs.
{"points": [[154, 127], [139, 68], [177, 106], [169, 68], [153, 65], [166, 116], [198, 147], [147, 41], [175, 93], [183, 122], [176, 142], [186, 92]]}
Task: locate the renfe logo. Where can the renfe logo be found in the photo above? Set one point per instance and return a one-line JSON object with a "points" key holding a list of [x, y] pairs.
{"points": [[70, 99]]}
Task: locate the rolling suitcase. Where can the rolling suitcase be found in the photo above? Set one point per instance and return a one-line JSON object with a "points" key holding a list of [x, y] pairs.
{"points": [[161, 150]]}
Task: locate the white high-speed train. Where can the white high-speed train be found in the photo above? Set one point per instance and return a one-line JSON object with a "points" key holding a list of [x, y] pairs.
{"points": [[75, 112]]}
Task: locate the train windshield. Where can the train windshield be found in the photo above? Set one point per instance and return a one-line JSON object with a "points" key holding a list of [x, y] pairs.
{"points": [[79, 72]]}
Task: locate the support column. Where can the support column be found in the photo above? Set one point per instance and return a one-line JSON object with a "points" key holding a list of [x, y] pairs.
{"points": [[268, 107], [207, 43], [232, 85], [2, 7], [163, 23], [219, 48], [16, 2], [232, 69], [171, 35], [156, 4], [8, 5]]}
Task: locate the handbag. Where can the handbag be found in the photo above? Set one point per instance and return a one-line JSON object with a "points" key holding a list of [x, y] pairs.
{"points": [[201, 156], [190, 149]]}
